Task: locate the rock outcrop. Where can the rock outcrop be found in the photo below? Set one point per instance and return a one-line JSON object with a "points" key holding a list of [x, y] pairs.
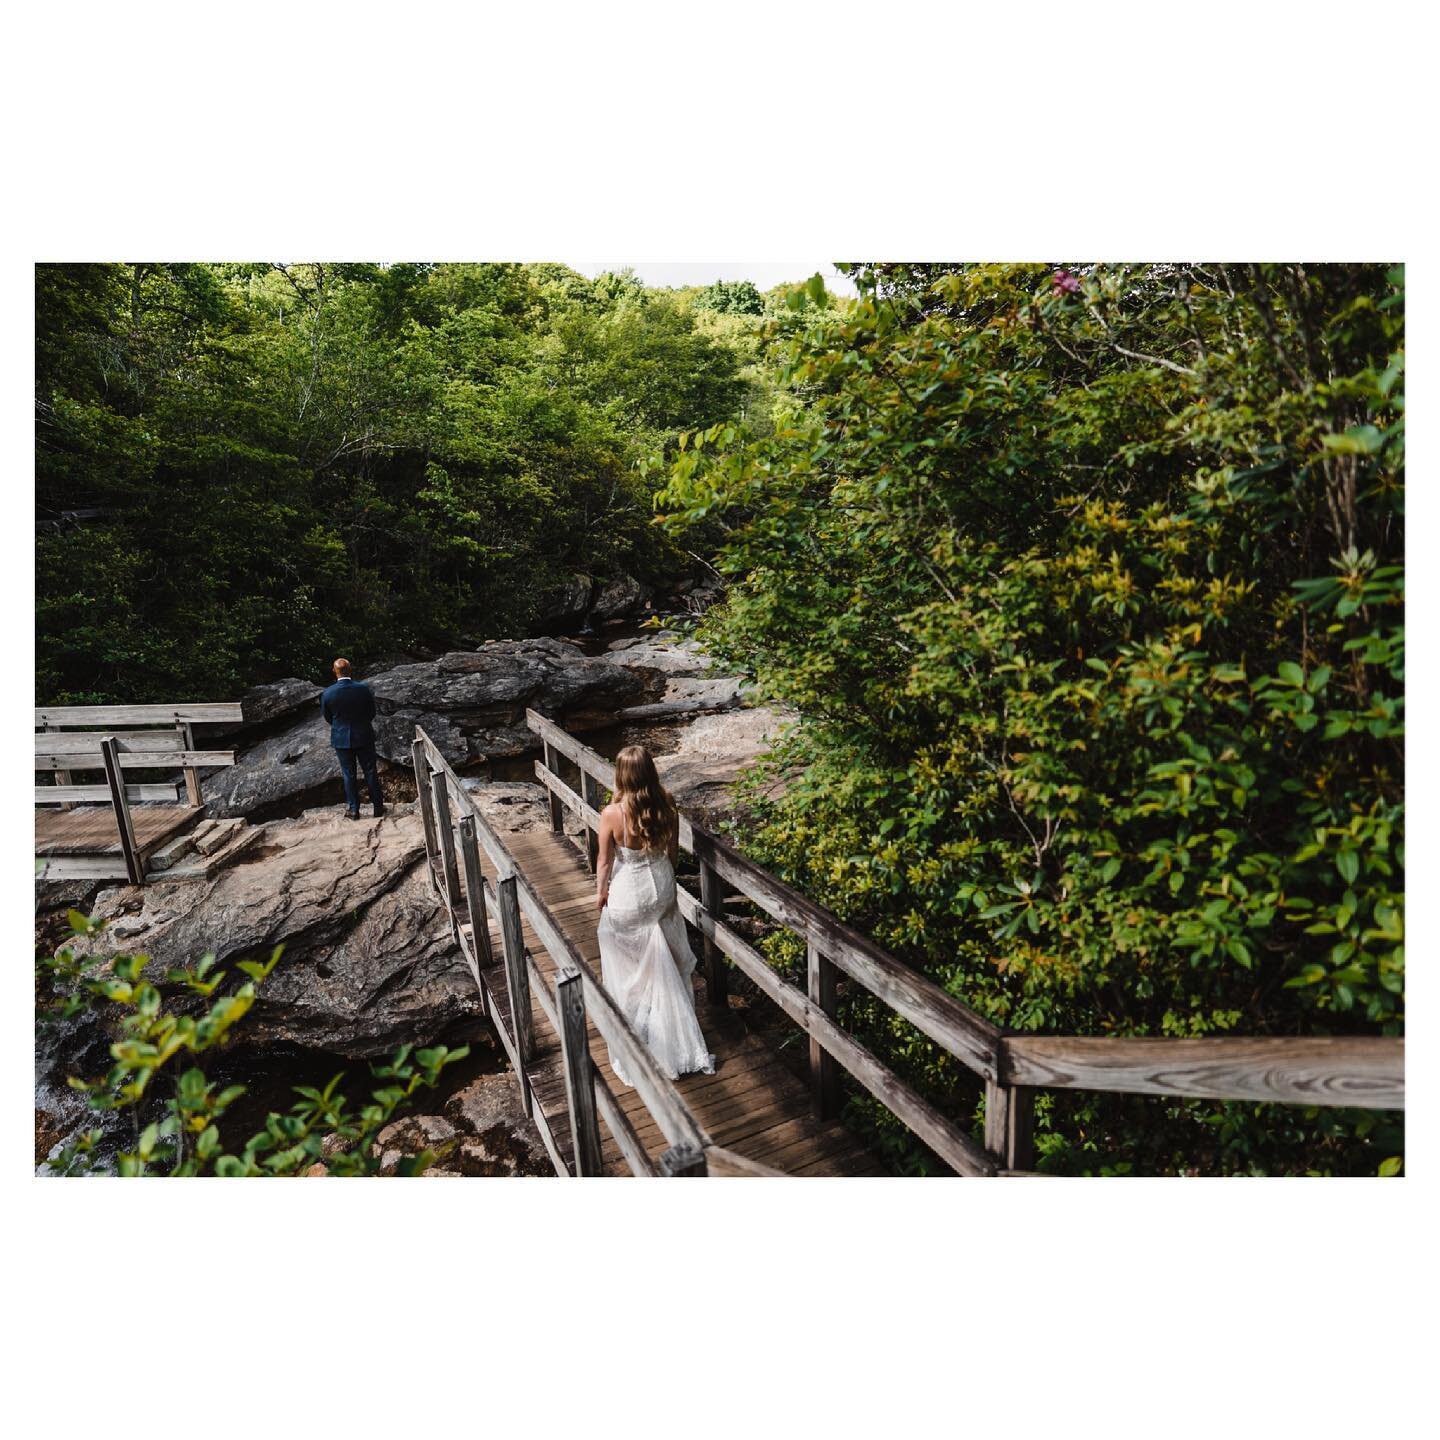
{"points": [[618, 599], [471, 703], [369, 960], [264, 703], [517, 806], [296, 765], [664, 652], [484, 1131], [711, 752], [484, 693]]}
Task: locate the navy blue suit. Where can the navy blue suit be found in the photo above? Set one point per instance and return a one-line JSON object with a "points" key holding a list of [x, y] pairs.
{"points": [[350, 707]]}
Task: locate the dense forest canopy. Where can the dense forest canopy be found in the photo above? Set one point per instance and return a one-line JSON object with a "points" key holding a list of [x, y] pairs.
{"points": [[284, 461], [1087, 585]]}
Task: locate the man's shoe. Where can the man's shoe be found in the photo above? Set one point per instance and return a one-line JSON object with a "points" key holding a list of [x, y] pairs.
{"points": [[379, 811], [352, 814]]}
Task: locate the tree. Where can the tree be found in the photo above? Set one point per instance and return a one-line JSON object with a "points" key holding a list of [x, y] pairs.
{"points": [[276, 462], [1088, 586], [731, 297]]}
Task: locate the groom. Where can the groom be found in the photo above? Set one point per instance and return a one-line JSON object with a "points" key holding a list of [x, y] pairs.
{"points": [[349, 707]]}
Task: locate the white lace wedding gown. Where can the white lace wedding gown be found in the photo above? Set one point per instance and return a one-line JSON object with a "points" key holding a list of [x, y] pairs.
{"points": [[646, 962]]}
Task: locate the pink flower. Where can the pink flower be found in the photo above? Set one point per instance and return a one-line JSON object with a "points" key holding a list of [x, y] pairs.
{"points": [[1065, 283]]}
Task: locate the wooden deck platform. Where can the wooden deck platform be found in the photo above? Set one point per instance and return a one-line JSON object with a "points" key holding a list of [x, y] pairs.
{"points": [[752, 1104], [91, 830]]}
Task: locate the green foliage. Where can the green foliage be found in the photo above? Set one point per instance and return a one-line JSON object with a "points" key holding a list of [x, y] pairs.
{"points": [[290, 462], [1088, 587], [182, 1133], [731, 297]]}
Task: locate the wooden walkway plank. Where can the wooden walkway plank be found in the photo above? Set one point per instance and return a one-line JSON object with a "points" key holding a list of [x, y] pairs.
{"points": [[93, 831], [753, 1104]]}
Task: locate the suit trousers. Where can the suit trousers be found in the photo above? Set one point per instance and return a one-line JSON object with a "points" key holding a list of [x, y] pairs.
{"points": [[366, 756]]}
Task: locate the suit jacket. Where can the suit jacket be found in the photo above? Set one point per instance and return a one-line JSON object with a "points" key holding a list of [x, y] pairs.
{"points": [[349, 707]]}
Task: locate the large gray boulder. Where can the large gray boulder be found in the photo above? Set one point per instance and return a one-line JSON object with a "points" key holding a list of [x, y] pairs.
{"points": [[619, 598], [471, 703], [264, 703], [494, 684], [484, 693], [712, 752], [369, 959], [284, 770], [395, 733]]}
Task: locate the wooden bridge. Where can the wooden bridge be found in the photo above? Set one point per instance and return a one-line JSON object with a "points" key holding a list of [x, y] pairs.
{"points": [[522, 909], [109, 831]]}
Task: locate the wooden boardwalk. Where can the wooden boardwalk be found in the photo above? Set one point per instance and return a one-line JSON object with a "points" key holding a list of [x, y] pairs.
{"points": [[528, 900], [93, 831], [752, 1104], [108, 838]]}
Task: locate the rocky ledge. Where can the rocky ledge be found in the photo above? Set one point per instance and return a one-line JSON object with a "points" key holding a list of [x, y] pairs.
{"points": [[472, 704], [369, 962]]}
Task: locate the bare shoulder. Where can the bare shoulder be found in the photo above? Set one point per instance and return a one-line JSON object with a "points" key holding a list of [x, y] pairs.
{"points": [[610, 815]]}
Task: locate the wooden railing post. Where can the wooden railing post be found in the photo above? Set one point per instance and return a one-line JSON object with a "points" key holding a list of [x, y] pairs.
{"points": [[557, 810], [579, 1072], [110, 754], [683, 1160], [192, 775], [1009, 1125], [821, 976], [475, 894], [62, 777], [590, 793], [712, 901], [445, 833], [517, 978], [425, 800]]}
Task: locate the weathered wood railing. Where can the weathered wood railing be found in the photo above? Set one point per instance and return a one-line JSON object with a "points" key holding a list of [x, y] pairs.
{"points": [[455, 834], [71, 739], [1364, 1072]]}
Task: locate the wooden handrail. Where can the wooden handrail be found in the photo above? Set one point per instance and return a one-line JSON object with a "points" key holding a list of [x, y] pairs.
{"points": [[1363, 1071], [948, 1140], [200, 713], [84, 742], [664, 1102], [131, 759], [963, 1032], [69, 794]]}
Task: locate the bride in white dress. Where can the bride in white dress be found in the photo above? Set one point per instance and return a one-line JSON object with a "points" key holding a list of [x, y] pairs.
{"points": [[645, 956]]}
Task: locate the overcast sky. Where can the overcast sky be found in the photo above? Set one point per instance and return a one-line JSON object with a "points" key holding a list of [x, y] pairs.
{"points": [[765, 273]]}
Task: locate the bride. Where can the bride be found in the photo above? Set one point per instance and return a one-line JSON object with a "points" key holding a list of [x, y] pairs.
{"points": [[646, 960]]}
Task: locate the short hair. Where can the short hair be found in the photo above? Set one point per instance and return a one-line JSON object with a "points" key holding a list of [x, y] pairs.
{"points": [[341, 666]]}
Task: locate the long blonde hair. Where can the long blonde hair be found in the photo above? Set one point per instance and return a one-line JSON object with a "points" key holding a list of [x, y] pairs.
{"points": [[646, 805]]}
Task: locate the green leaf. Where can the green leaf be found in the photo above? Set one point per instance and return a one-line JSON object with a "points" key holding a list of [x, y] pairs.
{"points": [[1357, 440], [1391, 1165]]}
